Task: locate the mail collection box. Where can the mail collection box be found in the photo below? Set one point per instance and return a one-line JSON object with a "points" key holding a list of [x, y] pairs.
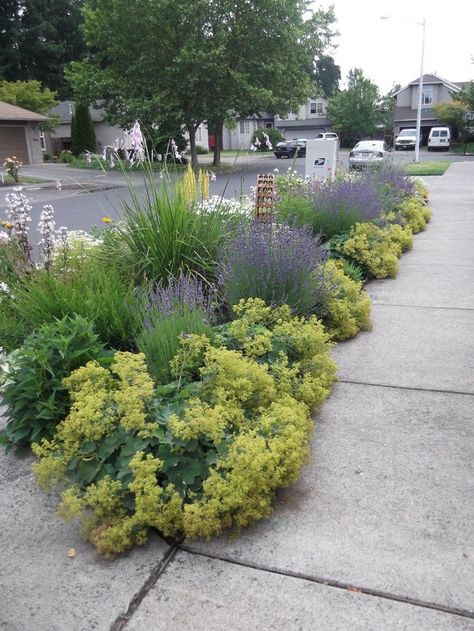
{"points": [[321, 158]]}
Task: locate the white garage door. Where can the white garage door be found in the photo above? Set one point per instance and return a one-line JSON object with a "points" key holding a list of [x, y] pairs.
{"points": [[13, 143]]}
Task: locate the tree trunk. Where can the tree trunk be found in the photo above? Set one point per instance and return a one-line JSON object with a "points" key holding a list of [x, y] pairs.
{"points": [[192, 141], [218, 141]]}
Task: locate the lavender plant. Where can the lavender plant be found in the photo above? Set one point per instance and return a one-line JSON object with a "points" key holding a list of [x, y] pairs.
{"points": [[181, 306], [278, 263]]}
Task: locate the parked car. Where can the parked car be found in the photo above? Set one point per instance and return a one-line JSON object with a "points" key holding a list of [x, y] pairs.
{"points": [[327, 135], [439, 138], [406, 139], [368, 153], [290, 148]]}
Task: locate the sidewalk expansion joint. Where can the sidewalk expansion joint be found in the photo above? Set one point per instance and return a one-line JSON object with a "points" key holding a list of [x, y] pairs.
{"points": [[413, 388], [340, 585], [391, 304], [122, 620]]}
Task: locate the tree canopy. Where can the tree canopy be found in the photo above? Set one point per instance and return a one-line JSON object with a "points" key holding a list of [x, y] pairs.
{"points": [[356, 111], [38, 38], [199, 60]]}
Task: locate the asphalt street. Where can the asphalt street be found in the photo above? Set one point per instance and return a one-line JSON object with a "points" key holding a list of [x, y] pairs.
{"points": [[87, 196]]}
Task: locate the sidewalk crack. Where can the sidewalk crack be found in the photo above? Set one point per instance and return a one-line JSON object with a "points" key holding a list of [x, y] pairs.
{"points": [[122, 620], [340, 585]]}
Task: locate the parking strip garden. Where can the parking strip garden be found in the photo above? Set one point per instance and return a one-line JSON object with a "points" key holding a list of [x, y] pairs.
{"points": [[166, 372]]}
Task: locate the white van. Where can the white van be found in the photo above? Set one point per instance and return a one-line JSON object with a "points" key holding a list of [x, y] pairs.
{"points": [[439, 138]]}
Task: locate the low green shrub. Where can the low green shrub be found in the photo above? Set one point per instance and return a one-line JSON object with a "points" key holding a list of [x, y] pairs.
{"points": [[201, 454], [348, 306], [34, 395]]}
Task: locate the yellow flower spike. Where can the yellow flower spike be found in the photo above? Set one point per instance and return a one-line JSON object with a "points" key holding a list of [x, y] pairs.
{"points": [[107, 219]]}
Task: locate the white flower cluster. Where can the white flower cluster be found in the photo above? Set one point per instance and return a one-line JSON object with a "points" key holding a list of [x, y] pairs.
{"points": [[46, 227], [4, 237], [18, 214], [244, 205]]}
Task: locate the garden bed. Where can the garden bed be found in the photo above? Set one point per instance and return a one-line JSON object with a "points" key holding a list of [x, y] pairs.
{"points": [[165, 371]]}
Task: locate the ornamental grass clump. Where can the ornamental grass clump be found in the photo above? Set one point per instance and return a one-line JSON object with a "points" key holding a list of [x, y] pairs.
{"points": [[181, 307], [162, 236], [199, 455], [278, 263]]}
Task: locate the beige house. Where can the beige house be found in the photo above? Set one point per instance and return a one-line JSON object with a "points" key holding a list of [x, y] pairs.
{"points": [[435, 90], [20, 134]]}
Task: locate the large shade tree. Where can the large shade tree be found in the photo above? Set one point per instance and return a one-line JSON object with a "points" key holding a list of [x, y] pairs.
{"points": [[38, 38], [199, 60]]}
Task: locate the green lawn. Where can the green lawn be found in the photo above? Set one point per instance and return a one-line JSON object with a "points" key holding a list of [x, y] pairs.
{"points": [[459, 149], [24, 179], [437, 167], [102, 165]]}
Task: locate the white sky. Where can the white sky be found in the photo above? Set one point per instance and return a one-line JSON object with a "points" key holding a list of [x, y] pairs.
{"points": [[389, 51]]}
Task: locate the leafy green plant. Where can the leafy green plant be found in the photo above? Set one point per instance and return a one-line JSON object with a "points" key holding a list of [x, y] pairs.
{"points": [[88, 286], [36, 399], [348, 305], [198, 455]]}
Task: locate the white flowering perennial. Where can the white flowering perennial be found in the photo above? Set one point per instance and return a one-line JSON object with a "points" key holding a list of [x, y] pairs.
{"points": [[18, 215], [46, 227], [4, 237], [137, 141]]}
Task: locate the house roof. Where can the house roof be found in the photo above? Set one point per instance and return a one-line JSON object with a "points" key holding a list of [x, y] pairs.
{"points": [[65, 111], [430, 79], [13, 113]]}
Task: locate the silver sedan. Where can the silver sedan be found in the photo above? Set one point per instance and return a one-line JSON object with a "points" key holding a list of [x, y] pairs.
{"points": [[368, 153]]}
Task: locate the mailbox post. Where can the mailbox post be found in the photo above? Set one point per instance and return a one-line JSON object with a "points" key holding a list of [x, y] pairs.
{"points": [[321, 159]]}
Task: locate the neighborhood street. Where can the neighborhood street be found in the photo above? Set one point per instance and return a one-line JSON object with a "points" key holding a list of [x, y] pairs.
{"points": [[86, 195]]}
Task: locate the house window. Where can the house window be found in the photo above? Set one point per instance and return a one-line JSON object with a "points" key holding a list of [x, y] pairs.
{"points": [[268, 126], [427, 95], [42, 141], [312, 107], [245, 127], [199, 134], [319, 109]]}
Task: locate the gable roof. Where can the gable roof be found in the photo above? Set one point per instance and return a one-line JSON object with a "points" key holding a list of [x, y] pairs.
{"points": [[66, 109], [11, 112], [430, 79]]}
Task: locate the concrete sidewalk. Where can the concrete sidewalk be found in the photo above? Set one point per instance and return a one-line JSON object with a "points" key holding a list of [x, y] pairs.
{"points": [[377, 534]]}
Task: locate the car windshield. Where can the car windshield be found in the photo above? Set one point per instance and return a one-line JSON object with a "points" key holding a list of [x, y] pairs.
{"points": [[369, 144], [408, 132]]}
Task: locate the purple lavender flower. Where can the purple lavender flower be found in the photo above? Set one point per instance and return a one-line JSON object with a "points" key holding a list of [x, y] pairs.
{"points": [[278, 263], [185, 293]]}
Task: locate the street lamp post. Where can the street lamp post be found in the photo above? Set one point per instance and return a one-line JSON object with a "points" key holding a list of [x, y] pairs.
{"points": [[420, 94], [420, 85]]}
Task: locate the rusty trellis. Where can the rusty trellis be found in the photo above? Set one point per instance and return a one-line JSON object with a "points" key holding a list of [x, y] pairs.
{"points": [[265, 196]]}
